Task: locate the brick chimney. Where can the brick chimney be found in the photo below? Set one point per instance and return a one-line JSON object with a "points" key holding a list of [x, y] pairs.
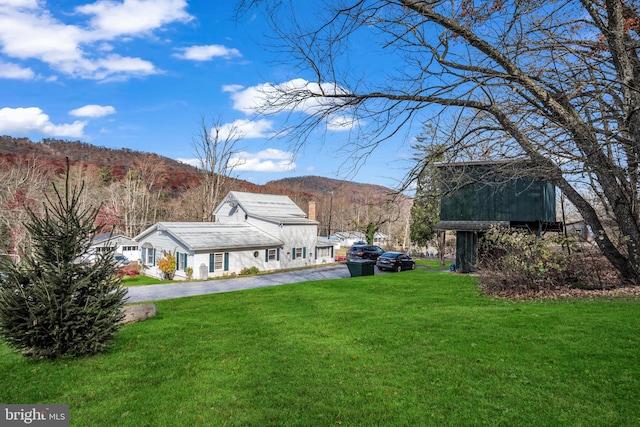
{"points": [[312, 210]]}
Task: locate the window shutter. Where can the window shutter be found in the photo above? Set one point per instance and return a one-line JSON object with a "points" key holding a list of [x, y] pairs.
{"points": [[266, 255], [332, 255], [186, 257], [278, 255], [304, 252], [211, 263], [226, 261], [315, 253], [293, 253], [177, 257], [154, 256]]}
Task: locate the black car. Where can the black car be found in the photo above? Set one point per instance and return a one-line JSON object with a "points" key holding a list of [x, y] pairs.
{"points": [[396, 261], [357, 252]]}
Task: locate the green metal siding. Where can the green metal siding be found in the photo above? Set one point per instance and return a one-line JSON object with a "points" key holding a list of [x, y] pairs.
{"points": [[495, 199]]}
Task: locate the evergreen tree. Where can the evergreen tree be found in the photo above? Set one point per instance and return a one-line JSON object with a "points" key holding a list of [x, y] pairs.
{"points": [[54, 303], [425, 212]]}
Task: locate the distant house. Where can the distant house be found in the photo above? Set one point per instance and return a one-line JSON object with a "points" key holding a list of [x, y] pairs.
{"points": [[269, 232], [117, 243], [350, 238]]}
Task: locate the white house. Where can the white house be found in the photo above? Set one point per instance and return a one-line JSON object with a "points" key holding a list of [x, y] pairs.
{"points": [[117, 243], [349, 238], [269, 232]]}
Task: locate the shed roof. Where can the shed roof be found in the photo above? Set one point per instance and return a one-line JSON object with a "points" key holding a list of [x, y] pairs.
{"points": [[199, 236]]}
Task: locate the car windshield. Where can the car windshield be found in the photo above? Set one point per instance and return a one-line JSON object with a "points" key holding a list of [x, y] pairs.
{"points": [[389, 255]]}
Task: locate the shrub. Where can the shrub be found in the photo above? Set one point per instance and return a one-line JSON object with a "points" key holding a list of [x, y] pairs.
{"points": [[249, 271], [189, 272], [132, 270], [517, 262], [54, 304], [167, 265]]}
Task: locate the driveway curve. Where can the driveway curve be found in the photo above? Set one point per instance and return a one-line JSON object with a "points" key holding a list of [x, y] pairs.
{"points": [[186, 289]]}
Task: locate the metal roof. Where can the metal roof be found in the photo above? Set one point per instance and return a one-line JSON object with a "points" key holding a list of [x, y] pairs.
{"points": [[323, 242], [270, 207], [199, 236], [112, 239]]}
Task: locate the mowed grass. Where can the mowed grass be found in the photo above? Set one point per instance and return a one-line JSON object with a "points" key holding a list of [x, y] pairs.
{"points": [[141, 280], [409, 349], [432, 263]]}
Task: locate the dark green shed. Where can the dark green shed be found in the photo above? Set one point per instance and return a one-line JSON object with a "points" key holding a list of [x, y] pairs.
{"points": [[479, 195]]}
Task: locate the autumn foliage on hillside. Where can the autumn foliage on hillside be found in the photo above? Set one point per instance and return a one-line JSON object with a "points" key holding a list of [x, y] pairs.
{"points": [[134, 190]]}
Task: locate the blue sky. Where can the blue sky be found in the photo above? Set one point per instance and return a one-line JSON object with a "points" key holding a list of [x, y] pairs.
{"points": [[140, 74]]}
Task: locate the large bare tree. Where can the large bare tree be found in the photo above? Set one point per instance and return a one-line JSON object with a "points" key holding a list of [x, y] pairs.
{"points": [[215, 147], [22, 187], [556, 82]]}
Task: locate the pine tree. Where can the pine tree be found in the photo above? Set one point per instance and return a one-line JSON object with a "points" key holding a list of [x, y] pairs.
{"points": [[425, 212], [54, 303]]}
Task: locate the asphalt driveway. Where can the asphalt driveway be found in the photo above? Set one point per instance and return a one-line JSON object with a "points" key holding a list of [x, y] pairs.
{"points": [[185, 289]]}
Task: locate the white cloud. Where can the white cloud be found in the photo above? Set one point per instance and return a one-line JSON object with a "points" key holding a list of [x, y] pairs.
{"points": [[232, 88], [342, 123], [131, 17], [269, 160], [208, 52], [93, 110], [14, 71], [33, 119], [29, 31], [247, 129], [27, 4], [193, 162], [297, 95]]}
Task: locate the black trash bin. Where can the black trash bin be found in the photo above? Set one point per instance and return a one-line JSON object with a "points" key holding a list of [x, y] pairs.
{"points": [[361, 267]]}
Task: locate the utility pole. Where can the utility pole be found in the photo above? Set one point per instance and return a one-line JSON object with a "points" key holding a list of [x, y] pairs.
{"points": [[330, 215]]}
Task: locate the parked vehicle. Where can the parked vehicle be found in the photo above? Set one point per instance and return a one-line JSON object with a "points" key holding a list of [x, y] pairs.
{"points": [[357, 252], [396, 261], [121, 260]]}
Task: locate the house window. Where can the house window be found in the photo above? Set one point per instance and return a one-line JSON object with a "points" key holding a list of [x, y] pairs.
{"points": [[273, 255], [181, 261], [299, 253], [323, 252], [149, 256], [219, 261], [129, 248]]}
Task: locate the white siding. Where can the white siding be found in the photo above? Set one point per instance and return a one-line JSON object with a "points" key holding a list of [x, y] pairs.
{"points": [[238, 260], [162, 242], [227, 213]]}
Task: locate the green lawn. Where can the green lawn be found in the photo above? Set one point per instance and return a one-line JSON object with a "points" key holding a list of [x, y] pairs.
{"points": [[143, 280], [406, 349], [433, 263]]}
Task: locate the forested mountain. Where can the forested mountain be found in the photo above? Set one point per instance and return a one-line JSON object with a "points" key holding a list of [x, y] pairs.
{"points": [[137, 189]]}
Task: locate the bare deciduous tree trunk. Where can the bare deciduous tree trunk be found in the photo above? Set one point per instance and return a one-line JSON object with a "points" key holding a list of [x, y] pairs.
{"points": [[215, 148]]}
